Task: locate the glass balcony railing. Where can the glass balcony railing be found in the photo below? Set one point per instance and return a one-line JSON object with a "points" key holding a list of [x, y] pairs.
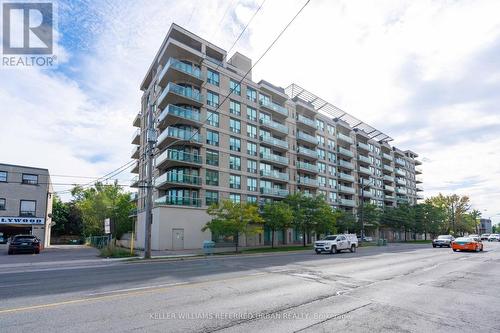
{"points": [[307, 166], [274, 158], [136, 137], [345, 176], [401, 190], [400, 181], [400, 161], [388, 168], [134, 196], [180, 90], [346, 164], [306, 137], [387, 156], [346, 189], [389, 188], [365, 159], [180, 112], [177, 178], [275, 174], [274, 141], [178, 201], [345, 138], [307, 151], [273, 106], [365, 170], [275, 125], [364, 146], [389, 178], [307, 181], [306, 121], [347, 202], [135, 181], [400, 172], [389, 197], [178, 155], [345, 152], [180, 66], [179, 133], [273, 191]]}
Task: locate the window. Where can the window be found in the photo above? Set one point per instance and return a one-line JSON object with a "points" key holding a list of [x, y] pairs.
{"points": [[2, 203], [234, 107], [332, 196], [322, 181], [3, 176], [320, 124], [212, 177], [252, 199], [331, 144], [251, 131], [211, 197], [30, 179], [331, 157], [322, 167], [251, 166], [234, 162], [235, 181], [235, 87], [330, 129], [252, 94], [27, 208], [212, 99], [212, 157], [234, 144], [321, 153], [213, 118], [251, 114], [234, 125], [331, 170], [213, 77], [212, 138], [235, 197], [251, 148], [252, 184], [321, 140], [332, 183]]}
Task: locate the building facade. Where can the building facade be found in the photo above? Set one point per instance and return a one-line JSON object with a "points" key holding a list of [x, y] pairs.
{"points": [[25, 202], [219, 139], [485, 226]]}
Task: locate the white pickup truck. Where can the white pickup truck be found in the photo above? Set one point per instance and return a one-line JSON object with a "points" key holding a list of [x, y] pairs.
{"points": [[336, 243]]}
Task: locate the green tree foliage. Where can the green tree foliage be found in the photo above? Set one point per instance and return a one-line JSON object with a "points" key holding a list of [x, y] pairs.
{"points": [[233, 219], [67, 218], [346, 222], [102, 201], [455, 210], [277, 216]]}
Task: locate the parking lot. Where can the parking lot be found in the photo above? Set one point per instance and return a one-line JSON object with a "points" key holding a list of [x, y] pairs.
{"points": [[55, 253]]}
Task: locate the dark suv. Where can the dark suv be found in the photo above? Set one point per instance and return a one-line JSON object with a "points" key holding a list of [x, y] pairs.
{"points": [[24, 243]]}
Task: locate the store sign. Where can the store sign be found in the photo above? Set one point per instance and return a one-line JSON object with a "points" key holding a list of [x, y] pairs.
{"points": [[21, 220]]}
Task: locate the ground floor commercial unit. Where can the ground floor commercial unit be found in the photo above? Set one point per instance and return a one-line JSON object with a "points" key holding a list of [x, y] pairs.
{"points": [[25, 202]]}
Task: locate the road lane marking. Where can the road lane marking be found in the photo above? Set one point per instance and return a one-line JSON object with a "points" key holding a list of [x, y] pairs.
{"points": [[19, 284], [137, 288], [124, 294]]}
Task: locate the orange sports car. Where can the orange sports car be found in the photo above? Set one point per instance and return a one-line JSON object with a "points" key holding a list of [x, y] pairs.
{"points": [[467, 244]]}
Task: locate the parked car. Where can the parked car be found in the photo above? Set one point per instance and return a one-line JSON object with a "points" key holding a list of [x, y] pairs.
{"points": [[473, 236], [494, 238], [485, 236], [336, 243], [365, 239], [24, 243], [442, 240], [467, 244]]}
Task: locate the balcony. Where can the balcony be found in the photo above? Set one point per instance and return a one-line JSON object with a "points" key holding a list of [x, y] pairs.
{"points": [[389, 188], [401, 199], [175, 70], [177, 178], [363, 146], [275, 174], [274, 107], [178, 157], [173, 114], [345, 152], [274, 142], [389, 198], [275, 192], [417, 162], [387, 157], [400, 161], [307, 166], [400, 172], [346, 177], [364, 159], [389, 178], [388, 168], [135, 152], [418, 171], [400, 181], [419, 189], [137, 120], [178, 201], [345, 138], [134, 196], [365, 171], [268, 123], [306, 121], [307, 181], [345, 164], [176, 94], [174, 134], [136, 138], [400, 190], [135, 181], [135, 169], [346, 189], [301, 136], [367, 194], [347, 202], [274, 158], [307, 152]]}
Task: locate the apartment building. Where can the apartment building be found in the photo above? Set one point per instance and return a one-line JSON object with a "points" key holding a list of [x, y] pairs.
{"points": [[261, 143], [25, 202]]}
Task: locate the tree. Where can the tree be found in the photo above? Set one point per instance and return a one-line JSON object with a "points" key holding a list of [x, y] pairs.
{"points": [[346, 222], [455, 208], [300, 206], [100, 202], [60, 216], [370, 214], [324, 217], [232, 219], [277, 216]]}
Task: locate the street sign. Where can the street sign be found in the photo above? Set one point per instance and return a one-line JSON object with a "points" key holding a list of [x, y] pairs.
{"points": [[107, 226]]}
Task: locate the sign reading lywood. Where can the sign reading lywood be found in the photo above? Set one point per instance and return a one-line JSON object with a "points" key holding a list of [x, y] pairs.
{"points": [[21, 220]]}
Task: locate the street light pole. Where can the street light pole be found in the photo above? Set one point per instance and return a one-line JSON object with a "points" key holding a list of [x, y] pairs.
{"points": [[151, 140], [362, 210]]}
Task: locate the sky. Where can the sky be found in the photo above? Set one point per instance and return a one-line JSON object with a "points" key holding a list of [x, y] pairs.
{"points": [[427, 73]]}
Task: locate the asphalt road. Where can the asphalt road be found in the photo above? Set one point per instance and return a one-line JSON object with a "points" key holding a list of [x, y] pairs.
{"points": [[406, 288]]}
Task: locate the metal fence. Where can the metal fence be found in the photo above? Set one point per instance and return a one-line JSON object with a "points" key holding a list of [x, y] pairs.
{"points": [[98, 241]]}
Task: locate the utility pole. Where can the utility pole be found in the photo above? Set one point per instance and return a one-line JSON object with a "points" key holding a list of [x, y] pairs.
{"points": [[361, 208], [151, 140]]}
